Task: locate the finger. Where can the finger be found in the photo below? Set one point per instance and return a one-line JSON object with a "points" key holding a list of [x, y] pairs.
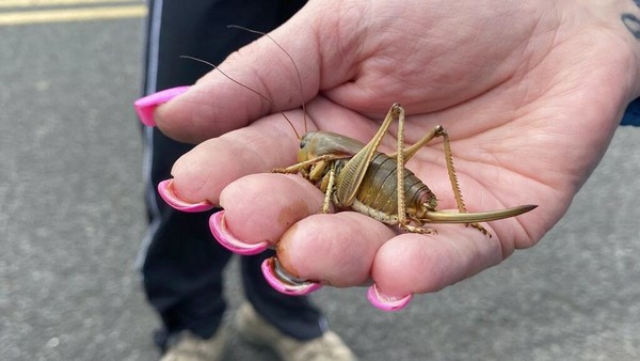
{"points": [[202, 174], [336, 249], [414, 264], [283, 68], [261, 207]]}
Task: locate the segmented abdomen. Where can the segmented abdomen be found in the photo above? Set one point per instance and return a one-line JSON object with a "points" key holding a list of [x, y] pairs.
{"points": [[379, 192]]}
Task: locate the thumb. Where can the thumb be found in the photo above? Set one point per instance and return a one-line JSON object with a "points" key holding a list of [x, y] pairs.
{"points": [[277, 72]]}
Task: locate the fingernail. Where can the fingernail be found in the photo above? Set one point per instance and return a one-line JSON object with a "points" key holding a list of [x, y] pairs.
{"points": [[387, 303], [229, 241], [284, 283], [145, 106], [168, 194]]}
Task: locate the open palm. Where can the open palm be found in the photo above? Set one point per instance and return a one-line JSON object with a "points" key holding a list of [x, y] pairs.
{"points": [[530, 93]]}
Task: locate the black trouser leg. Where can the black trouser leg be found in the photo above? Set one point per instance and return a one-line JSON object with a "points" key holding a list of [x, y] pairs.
{"points": [[182, 264]]}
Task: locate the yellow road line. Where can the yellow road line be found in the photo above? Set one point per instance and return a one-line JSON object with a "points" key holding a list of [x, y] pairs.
{"points": [[34, 3], [86, 14]]}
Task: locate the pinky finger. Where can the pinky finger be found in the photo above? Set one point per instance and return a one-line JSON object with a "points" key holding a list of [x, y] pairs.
{"points": [[415, 264]]}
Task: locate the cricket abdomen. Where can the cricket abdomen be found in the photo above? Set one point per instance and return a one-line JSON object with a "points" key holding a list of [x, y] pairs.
{"points": [[377, 196]]}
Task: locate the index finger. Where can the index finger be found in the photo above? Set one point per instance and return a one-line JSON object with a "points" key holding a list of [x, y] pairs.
{"points": [[201, 174]]}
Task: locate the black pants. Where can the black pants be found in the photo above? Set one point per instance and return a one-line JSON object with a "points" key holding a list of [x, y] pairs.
{"points": [[181, 263]]}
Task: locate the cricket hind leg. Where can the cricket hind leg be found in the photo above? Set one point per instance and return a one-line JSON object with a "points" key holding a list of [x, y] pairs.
{"points": [[406, 154], [453, 179], [402, 156]]}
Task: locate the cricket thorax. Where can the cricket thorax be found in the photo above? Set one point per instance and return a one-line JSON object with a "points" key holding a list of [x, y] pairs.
{"points": [[317, 144]]}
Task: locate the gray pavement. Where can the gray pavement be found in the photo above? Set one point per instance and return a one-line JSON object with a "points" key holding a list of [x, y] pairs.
{"points": [[71, 219]]}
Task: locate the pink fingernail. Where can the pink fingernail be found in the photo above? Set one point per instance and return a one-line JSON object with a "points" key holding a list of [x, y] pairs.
{"points": [[168, 194], [387, 303], [229, 241], [145, 106], [283, 283]]}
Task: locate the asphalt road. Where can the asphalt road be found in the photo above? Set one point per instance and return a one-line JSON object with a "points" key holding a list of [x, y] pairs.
{"points": [[71, 220]]}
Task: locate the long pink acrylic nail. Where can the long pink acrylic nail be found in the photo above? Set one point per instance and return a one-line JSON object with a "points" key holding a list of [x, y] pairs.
{"points": [[229, 241], [289, 287], [145, 106], [168, 194], [386, 303]]}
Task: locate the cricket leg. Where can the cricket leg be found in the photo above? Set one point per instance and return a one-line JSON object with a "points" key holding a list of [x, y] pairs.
{"points": [[302, 165], [403, 155], [453, 179], [329, 189], [403, 221], [353, 173], [413, 149]]}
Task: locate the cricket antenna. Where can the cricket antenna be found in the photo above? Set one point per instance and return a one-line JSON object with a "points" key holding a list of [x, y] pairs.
{"points": [[244, 86], [300, 84]]}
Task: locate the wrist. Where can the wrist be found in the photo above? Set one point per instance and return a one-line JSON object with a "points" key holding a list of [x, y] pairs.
{"points": [[628, 12], [619, 20]]}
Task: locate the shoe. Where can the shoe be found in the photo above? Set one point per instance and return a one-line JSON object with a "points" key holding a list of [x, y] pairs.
{"points": [[256, 330], [189, 347]]}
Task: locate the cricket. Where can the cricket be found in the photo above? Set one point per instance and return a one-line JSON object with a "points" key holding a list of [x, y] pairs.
{"points": [[356, 176]]}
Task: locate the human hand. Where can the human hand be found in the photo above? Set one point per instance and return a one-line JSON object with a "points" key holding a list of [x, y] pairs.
{"points": [[530, 93]]}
